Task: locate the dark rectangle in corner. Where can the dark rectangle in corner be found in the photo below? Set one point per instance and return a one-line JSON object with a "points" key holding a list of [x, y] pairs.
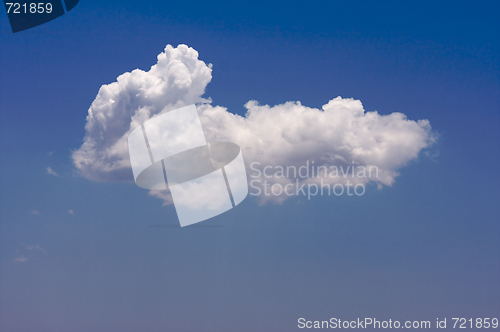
{"points": [[21, 18]]}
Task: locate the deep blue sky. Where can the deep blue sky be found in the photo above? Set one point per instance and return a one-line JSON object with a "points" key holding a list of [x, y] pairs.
{"points": [[425, 248]]}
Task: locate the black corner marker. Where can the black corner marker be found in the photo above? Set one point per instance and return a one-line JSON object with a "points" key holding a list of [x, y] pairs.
{"points": [[25, 14]]}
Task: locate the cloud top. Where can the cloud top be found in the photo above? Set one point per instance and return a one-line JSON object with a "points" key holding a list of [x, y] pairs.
{"points": [[178, 79]]}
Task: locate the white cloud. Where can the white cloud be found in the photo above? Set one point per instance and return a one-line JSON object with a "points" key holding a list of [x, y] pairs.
{"points": [[177, 79], [35, 212], [163, 195], [21, 259], [71, 212], [50, 171], [341, 134]]}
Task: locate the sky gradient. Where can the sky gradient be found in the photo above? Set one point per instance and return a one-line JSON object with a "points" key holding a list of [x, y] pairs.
{"points": [[427, 247]]}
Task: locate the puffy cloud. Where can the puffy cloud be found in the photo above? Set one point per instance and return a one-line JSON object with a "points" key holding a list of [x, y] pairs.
{"points": [[177, 79], [341, 137], [334, 145]]}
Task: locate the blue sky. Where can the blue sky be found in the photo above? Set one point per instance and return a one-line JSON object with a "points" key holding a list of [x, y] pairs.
{"points": [[428, 247]]}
